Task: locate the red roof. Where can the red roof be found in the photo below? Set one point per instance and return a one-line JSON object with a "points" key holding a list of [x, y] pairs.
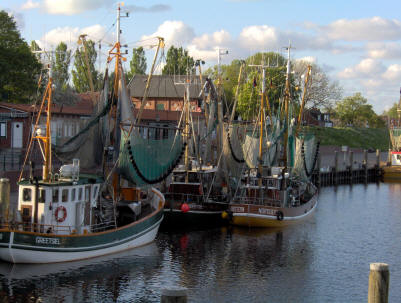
{"points": [[83, 107]]}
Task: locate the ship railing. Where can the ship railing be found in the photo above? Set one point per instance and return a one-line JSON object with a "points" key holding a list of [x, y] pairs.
{"points": [[38, 227], [259, 201], [106, 225]]}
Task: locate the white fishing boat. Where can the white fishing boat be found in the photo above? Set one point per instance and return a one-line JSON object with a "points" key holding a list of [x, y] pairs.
{"points": [[69, 215]]}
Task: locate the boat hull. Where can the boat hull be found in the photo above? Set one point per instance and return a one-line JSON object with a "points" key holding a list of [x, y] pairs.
{"points": [[392, 173], [250, 215], [29, 247], [175, 218], [198, 215]]}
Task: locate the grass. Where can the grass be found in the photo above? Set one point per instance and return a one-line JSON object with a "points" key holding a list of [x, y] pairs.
{"points": [[376, 138]]}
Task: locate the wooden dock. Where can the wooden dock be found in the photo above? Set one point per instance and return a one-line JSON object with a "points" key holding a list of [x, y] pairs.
{"points": [[348, 171]]}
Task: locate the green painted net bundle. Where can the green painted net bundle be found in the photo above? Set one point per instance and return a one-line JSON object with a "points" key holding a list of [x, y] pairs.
{"points": [[148, 161], [306, 154]]}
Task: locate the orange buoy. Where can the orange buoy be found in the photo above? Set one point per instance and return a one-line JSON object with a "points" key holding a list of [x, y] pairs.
{"points": [[184, 207]]}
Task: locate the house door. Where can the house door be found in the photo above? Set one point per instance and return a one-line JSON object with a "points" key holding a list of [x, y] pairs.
{"points": [[17, 135]]}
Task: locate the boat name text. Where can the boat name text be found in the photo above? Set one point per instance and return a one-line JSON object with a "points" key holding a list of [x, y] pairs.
{"points": [[266, 211], [237, 209], [41, 240]]}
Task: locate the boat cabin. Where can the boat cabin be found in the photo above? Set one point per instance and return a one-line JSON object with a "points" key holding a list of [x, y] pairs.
{"points": [[64, 205], [396, 158]]}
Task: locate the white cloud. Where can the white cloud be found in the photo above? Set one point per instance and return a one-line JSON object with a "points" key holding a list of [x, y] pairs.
{"points": [[369, 29], [259, 37], [367, 67], [70, 35], [390, 50], [308, 59], [71, 7], [30, 5], [18, 18], [174, 33], [393, 72]]}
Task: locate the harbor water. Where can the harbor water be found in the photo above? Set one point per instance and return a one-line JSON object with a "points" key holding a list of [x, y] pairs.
{"points": [[323, 259]]}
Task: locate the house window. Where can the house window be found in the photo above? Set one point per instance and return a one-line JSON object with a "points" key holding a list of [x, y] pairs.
{"points": [[42, 196], [27, 195], [3, 129]]}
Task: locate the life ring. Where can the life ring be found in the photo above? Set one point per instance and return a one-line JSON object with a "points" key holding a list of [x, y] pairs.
{"points": [[280, 215], [60, 219]]}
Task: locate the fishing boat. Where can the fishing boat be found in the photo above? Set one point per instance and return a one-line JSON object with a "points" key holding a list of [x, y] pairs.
{"points": [[393, 170], [269, 195], [69, 215], [193, 197]]}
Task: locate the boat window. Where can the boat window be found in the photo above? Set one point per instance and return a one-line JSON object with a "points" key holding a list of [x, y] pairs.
{"points": [[95, 192], [87, 190], [64, 195], [27, 195], [73, 194], [55, 195], [42, 196], [25, 212], [80, 194]]}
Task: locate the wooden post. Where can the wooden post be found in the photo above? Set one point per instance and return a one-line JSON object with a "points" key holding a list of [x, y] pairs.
{"points": [[389, 157], [176, 295], [379, 279], [319, 163], [365, 165], [335, 168], [4, 200], [378, 158], [351, 164]]}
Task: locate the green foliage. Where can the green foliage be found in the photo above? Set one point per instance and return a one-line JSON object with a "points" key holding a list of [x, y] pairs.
{"points": [[248, 101], [355, 111], [19, 67], [61, 64], [392, 112], [80, 71], [137, 63], [377, 138], [178, 62], [249, 95]]}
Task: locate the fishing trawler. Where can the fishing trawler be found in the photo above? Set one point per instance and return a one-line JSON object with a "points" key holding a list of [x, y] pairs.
{"points": [[70, 215], [269, 195], [393, 170], [193, 198]]}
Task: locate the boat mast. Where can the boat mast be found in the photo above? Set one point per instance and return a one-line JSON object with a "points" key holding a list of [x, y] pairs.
{"points": [[262, 116], [308, 74], [286, 104]]}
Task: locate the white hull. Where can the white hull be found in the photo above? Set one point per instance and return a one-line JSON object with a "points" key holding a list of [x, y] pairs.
{"points": [[27, 254]]}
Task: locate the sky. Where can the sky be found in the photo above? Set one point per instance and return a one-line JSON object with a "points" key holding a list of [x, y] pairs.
{"points": [[357, 43]]}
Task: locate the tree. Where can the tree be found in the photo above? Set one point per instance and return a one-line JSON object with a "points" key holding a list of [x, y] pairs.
{"points": [[19, 67], [60, 65], [355, 111], [321, 92], [393, 112], [178, 62], [138, 63], [80, 71]]}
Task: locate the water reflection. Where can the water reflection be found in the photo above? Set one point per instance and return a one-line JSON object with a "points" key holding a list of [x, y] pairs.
{"points": [[323, 259], [104, 279]]}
